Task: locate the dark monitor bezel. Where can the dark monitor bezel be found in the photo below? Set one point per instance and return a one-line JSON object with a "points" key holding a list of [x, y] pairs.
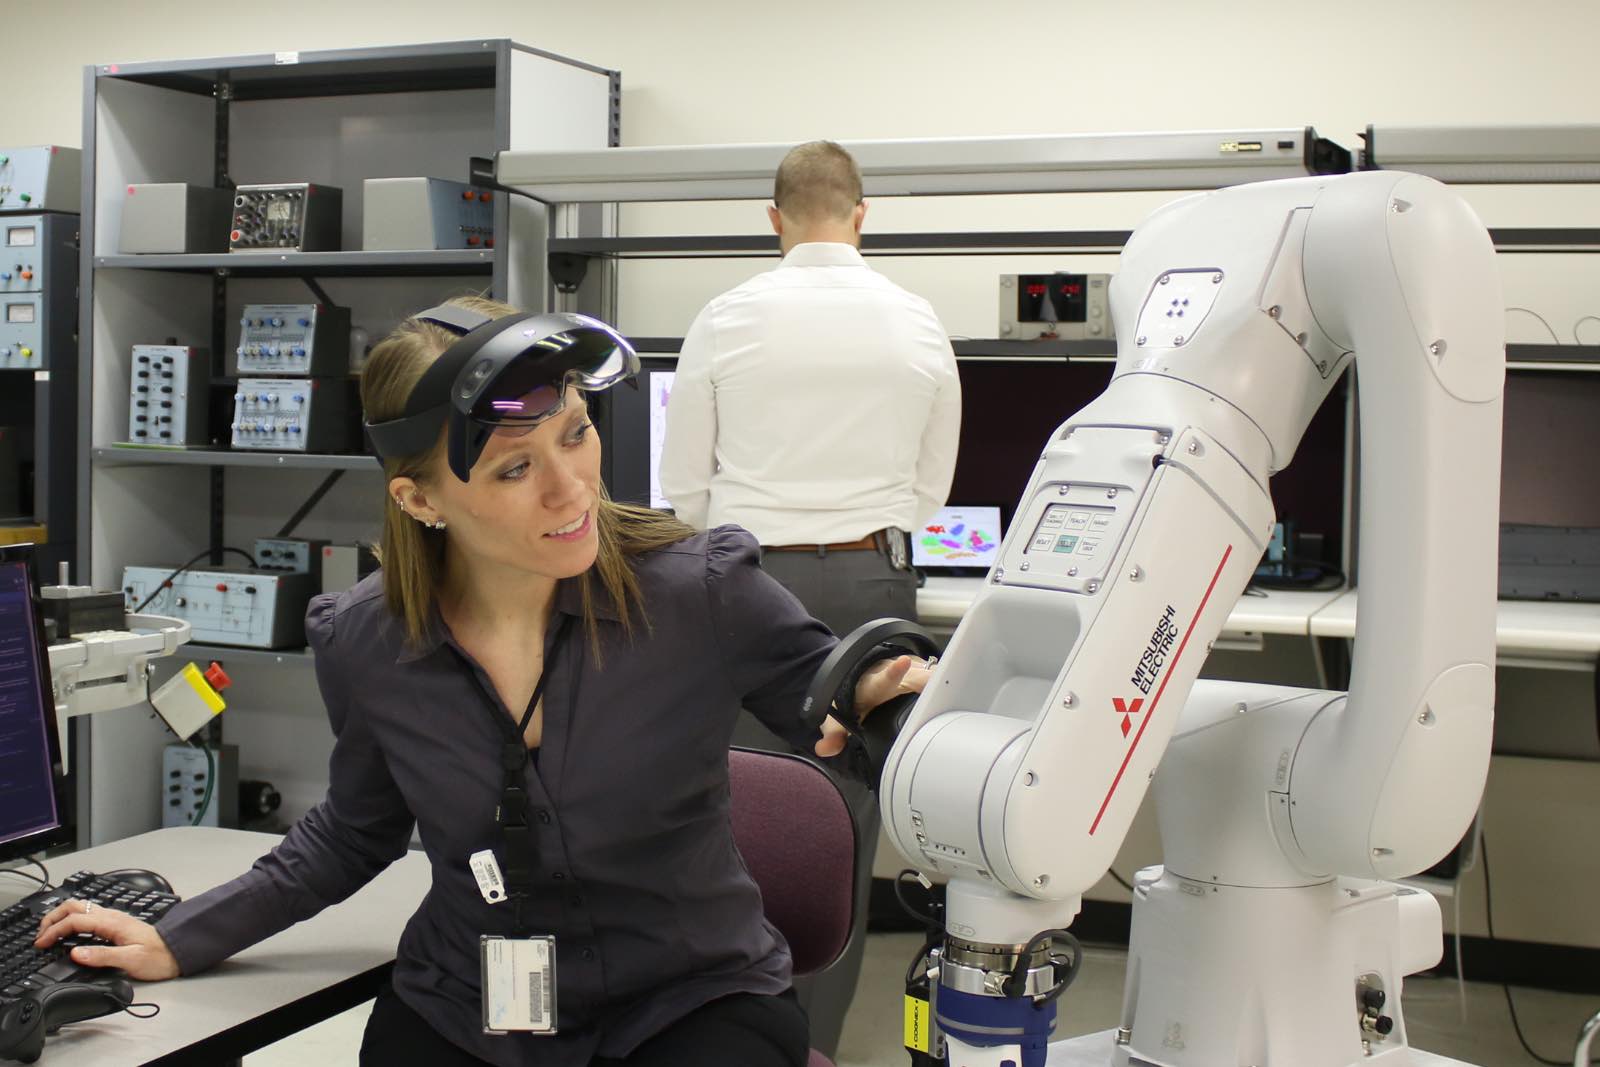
{"points": [[62, 832]]}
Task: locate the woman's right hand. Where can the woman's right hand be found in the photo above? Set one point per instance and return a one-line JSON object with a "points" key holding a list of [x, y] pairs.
{"points": [[135, 946]]}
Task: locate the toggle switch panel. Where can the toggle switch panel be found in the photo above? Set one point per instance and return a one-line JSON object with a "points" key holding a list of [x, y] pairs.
{"points": [[167, 391]]}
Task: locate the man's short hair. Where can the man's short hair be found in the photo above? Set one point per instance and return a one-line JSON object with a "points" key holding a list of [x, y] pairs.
{"points": [[816, 181]]}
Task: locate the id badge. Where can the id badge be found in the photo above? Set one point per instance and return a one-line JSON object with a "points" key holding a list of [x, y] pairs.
{"points": [[519, 984]]}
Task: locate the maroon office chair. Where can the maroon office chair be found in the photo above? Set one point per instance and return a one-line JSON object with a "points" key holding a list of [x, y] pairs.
{"points": [[798, 838]]}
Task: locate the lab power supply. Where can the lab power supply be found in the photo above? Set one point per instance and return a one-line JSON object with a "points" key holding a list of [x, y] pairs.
{"points": [[425, 213]]}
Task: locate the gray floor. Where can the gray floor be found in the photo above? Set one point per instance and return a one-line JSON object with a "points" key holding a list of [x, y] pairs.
{"points": [[872, 1031]]}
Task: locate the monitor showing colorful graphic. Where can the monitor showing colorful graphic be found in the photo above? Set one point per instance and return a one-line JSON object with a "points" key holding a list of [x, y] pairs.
{"points": [[958, 539]]}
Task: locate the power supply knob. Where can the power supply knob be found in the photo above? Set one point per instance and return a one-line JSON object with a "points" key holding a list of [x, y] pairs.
{"points": [[277, 322], [299, 353]]}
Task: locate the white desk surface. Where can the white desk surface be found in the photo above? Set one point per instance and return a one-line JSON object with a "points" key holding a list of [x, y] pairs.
{"points": [[344, 942], [1539, 629], [1094, 1050], [1530, 629], [942, 601]]}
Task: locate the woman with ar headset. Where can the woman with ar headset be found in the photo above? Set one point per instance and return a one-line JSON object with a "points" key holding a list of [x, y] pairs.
{"points": [[544, 683]]}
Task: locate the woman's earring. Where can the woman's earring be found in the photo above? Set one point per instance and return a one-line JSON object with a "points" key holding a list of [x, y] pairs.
{"points": [[435, 525]]}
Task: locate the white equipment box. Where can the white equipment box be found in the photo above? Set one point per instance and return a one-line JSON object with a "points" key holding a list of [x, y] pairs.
{"points": [[282, 340], [227, 605]]}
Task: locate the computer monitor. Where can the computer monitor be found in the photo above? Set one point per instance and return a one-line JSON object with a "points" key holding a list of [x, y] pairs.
{"points": [[33, 792], [958, 540], [633, 426]]}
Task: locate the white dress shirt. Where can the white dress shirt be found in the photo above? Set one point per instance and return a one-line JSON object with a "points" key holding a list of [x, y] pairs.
{"points": [[814, 404]]}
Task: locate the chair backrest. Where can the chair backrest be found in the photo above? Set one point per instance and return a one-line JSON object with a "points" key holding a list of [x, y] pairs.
{"points": [[798, 839]]}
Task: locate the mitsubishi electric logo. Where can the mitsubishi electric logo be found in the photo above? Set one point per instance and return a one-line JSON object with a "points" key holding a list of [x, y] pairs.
{"points": [[1162, 637], [1127, 711]]}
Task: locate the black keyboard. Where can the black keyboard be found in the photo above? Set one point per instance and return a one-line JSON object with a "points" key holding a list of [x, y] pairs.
{"points": [[24, 968]]}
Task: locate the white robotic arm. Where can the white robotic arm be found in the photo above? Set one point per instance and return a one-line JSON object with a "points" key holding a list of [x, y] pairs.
{"points": [[1021, 767]]}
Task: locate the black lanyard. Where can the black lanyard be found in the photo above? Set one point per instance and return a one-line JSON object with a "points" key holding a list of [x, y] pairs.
{"points": [[516, 837]]}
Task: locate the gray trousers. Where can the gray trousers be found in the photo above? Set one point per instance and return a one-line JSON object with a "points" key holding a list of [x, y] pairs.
{"points": [[842, 590]]}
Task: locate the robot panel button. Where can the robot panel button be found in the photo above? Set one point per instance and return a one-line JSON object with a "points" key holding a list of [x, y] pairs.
{"points": [[1066, 543], [1078, 520]]}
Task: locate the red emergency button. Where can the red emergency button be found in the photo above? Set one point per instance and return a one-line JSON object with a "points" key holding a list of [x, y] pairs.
{"points": [[222, 587], [235, 235], [27, 275], [217, 676], [485, 197], [488, 242], [474, 241], [468, 194]]}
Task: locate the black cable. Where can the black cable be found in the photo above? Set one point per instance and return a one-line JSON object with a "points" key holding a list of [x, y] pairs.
{"points": [[43, 883], [1488, 915], [167, 581], [1117, 878], [1017, 982], [211, 782], [155, 1009], [928, 918]]}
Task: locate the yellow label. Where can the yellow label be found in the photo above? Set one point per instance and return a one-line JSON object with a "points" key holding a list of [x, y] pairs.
{"points": [[202, 688], [916, 1024]]}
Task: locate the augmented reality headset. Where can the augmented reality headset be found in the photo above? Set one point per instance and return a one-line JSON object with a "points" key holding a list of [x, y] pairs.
{"points": [[505, 376]]}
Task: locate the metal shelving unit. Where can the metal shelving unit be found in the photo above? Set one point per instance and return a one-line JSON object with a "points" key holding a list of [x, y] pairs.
{"points": [[446, 262], [142, 456], [335, 118]]}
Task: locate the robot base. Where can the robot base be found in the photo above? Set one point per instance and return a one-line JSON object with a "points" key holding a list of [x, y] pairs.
{"points": [[1308, 976]]}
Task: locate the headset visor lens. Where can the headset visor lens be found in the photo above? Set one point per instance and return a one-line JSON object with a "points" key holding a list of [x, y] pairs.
{"points": [[533, 386]]}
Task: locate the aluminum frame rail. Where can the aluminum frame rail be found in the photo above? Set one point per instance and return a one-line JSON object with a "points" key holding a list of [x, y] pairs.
{"points": [[1208, 159], [1487, 155]]}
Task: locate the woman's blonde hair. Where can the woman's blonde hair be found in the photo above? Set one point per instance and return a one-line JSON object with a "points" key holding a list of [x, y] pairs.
{"points": [[413, 556]]}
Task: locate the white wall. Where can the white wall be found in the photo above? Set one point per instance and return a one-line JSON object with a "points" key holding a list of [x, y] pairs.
{"points": [[743, 70]]}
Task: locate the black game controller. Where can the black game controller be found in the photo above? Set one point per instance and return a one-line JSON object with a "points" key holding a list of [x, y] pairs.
{"points": [[25, 1023]]}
